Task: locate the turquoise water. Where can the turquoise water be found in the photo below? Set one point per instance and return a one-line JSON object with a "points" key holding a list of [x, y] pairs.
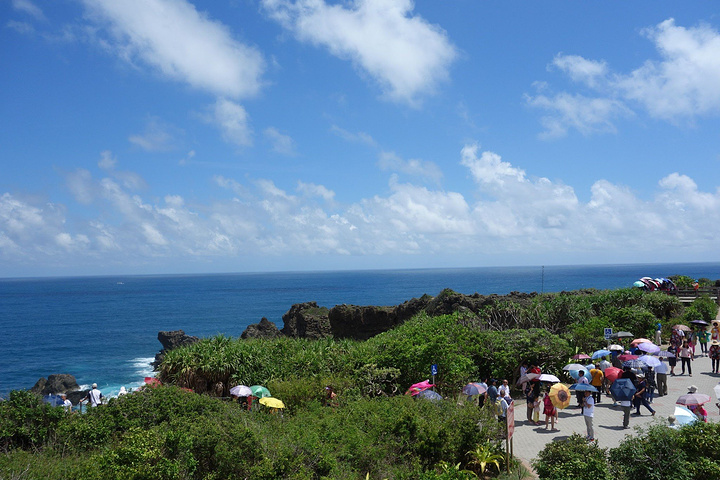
{"points": [[104, 329]]}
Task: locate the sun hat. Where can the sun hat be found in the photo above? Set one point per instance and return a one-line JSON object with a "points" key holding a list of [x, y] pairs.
{"points": [[714, 342], [692, 389], [94, 385]]}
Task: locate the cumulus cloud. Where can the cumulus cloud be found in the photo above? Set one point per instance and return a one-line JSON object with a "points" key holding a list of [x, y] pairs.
{"points": [[678, 86], [414, 167], [506, 211], [157, 137], [281, 143], [405, 54], [232, 120], [180, 43]]}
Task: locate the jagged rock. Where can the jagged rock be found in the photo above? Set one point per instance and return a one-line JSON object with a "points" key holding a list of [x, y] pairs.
{"points": [[361, 323], [170, 340], [264, 329], [55, 384], [307, 320]]}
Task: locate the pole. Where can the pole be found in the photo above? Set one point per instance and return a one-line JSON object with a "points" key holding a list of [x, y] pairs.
{"points": [[542, 287]]}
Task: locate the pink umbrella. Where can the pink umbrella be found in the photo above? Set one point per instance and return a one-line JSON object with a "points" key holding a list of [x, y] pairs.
{"points": [[416, 388], [581, 356], [626, 356], [693, 399], [639, 340]]}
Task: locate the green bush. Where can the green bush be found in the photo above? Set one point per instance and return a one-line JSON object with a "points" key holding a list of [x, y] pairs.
{"points": [[702, 308], [26, 421], [651, 455], [572, 459]]}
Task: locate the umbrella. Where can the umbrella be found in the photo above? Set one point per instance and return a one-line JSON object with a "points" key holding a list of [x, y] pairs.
{"points": [[623, 389], [430, 395], [583, 387], [639, 340], [717, 391], [683, 415], [639, 284], [684, 328], [573, 366], [622, 335], [649, 361], [152, 382], [635, 364], [666, 354], [625, 357], [699, 322], [616, 348], [527, 378], [576, 373], [473, 389], [600, 353], [241, 391], [649, 347], [612, 373], [416, 388], [260, 391], [693, 399], [581, 356], [272, 402], [546, 377], [560, 395]]}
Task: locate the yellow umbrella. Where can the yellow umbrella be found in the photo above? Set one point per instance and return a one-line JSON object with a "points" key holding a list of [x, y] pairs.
{"points": [[560, 395], [272, 402]]}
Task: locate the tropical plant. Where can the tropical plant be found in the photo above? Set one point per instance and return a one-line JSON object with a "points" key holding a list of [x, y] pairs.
{"points": [[484, 455], [571, 459]]}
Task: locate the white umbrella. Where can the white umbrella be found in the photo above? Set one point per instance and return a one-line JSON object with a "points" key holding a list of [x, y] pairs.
{"points": [[683, 415], [546, 377], [240, 391], [650, 360], [648, 347], [717, 391], [573, 366], [617, 347]]}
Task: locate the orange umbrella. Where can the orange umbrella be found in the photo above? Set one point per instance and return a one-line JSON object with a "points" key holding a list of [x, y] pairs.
{"points": [[560, 395]]}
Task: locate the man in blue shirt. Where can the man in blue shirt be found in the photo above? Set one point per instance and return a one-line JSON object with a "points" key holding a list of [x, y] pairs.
{"points": [[492, 391]]}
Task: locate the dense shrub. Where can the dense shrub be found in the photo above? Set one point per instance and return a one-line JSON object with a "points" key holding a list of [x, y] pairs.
{"points": [[572, 459], [26, 421], [702, 308]]}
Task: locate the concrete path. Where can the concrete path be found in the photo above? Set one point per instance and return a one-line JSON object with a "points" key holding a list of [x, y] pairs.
{"points": [[529, 439]]}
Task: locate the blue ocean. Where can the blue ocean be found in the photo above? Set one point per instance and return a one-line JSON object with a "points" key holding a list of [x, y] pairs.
{"points": [[104, 329]]}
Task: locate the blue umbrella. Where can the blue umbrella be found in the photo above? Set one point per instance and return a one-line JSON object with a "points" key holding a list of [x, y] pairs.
{"points": [[430, 395], [623, 389], [583, 387], [576, 373], [600, 354]]}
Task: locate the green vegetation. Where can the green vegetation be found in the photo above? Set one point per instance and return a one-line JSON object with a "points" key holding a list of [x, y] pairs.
{"points": [[375, 431], [689, 453]]}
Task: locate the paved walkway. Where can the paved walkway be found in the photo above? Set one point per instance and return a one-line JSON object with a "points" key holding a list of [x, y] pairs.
{"points": [[529, 439]]}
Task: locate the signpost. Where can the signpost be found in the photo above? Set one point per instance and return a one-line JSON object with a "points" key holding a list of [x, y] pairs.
{"points": [[608, 333], [510, 421], [433, 372]]}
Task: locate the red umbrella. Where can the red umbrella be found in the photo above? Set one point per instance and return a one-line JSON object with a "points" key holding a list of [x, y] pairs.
{"points": [[612, 373], [625, 357], [581, 356]]}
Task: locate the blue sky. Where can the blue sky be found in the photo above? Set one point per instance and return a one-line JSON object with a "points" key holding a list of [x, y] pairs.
{"points": [[164, 136]]}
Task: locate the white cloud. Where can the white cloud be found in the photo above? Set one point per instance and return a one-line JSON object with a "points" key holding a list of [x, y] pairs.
{"points": [[679, 86], [107, 161], [359, 137], [23, 28], [180, 43], [586, 115], [414, 167], [506, 212], [157, 137], [281, 143], [232, 120], [405, 54], [28, 7]]}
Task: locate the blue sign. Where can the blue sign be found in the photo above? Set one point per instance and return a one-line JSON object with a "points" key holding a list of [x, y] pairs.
{"points": [[433, 369], [608, 333]]}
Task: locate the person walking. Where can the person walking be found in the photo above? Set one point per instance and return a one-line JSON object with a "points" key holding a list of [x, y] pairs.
{"points": [[661, 372], [588, 413], [650, 382], [703, 336], [639, 398], [596, 381], [672, 361], [686, 356], [550, 411], [714, 354], [626, 406], [582, 379]]}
